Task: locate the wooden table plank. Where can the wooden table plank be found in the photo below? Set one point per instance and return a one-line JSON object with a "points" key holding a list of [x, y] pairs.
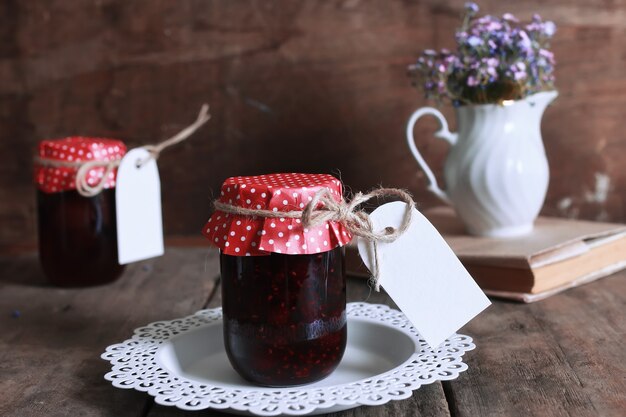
{"points": [[49, 355], [563, 356]]}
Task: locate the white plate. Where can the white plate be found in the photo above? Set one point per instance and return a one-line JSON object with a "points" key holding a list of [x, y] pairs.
{"points": [[182, 362]]}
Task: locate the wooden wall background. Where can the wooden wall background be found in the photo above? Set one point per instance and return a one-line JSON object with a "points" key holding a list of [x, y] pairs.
{"points": [[316, 86]]}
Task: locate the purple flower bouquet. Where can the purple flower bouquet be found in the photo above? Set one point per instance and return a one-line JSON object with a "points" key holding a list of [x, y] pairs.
{"points": [[496, 59]]}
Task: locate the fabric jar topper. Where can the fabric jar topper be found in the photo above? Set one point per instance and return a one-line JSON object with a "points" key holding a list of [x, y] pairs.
{"points": [[89, 165], [60, 160], [297, 214], [243, 235]]}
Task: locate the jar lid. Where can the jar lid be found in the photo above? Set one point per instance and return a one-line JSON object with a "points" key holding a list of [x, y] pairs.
{"points": [[60, 159], [240, 235]]}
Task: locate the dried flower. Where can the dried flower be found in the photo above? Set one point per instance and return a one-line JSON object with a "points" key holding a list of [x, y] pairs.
{"points": [[471, 8], [496, 59]]}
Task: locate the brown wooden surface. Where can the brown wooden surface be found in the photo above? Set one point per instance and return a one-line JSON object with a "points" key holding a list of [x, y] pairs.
{"points": [[301, 85], [49, 360], [560, 357]]}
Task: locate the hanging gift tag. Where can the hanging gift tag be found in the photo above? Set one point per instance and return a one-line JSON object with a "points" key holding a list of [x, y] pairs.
{"points": [[423, 276], [138, 203]]}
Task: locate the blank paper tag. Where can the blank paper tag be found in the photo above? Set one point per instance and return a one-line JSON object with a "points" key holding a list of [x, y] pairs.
{"points": [[423, 276], [138, 202]]}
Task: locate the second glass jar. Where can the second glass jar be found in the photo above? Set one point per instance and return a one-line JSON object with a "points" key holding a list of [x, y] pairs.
{"points": [[78, 230]]}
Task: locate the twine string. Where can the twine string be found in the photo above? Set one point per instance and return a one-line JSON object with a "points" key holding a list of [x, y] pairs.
{"points": [[87, 190], [155, 150], [324, 208], [82, 185]]}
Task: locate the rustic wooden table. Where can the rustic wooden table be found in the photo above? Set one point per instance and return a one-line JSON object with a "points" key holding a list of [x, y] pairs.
{"points": [[564, 356]]}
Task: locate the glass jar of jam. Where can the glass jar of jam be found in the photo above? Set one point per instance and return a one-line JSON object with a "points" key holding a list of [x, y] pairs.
{"points": [[77, 230], [283, 285]]}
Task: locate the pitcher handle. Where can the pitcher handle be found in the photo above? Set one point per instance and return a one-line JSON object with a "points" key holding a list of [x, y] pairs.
{"points": [[442, 133]]}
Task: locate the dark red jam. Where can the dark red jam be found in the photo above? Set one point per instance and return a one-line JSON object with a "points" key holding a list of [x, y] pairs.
{"points": [[78, 238], [284, 316]]}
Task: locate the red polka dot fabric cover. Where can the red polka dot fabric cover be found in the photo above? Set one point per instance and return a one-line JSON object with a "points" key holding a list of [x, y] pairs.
{"points": [[51, 179], [256, 236]]}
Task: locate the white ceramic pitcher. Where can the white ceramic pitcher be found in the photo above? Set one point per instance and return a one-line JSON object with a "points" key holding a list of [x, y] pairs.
{"points": [[496, 173]]}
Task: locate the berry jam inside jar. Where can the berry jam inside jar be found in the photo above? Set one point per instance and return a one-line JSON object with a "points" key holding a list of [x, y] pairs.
{"points": [[283, 284], [77, 233], [78, 238], [284, 316]]}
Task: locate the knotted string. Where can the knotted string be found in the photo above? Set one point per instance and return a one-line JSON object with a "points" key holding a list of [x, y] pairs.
{"points": [[87, 190], [324, 208]]}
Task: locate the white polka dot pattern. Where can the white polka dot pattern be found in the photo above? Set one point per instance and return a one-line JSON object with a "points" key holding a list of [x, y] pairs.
{"points": [[74, 150], [255, 236]]}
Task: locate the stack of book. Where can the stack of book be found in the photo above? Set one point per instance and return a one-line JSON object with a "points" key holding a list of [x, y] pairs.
{"points": [[558, 254]]}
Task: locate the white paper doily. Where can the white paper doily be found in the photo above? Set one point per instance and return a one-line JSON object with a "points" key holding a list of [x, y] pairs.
{"points": [[182, 363]]}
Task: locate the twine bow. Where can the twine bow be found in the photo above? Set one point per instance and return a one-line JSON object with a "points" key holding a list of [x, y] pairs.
{"points": [[87, 190], [324, 208]]}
